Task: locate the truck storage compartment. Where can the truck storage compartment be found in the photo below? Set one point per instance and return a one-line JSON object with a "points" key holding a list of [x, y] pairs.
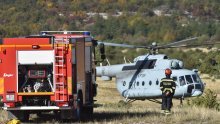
{"points": [[36, 101], [35, 70], [35, 78]]}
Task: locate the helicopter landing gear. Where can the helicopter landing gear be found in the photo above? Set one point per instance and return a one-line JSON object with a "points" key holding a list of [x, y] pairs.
{"points": [[129, 100], [181, 101], [154, 100]]}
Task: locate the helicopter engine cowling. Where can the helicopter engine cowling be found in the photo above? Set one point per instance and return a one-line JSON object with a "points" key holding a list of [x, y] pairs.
{"points": [[176, 64]]}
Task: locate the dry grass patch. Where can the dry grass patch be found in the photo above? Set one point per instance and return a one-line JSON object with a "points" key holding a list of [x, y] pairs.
{"points": [[153, 116], [147, 112], [3, 116], [109, 110], [212, 84]]}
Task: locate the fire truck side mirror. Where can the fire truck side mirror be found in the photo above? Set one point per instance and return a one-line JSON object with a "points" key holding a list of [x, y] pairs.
{"points": [[102, 51]]}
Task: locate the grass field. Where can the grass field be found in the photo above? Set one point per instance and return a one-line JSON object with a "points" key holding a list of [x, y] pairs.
{"points": [[109, 110]]}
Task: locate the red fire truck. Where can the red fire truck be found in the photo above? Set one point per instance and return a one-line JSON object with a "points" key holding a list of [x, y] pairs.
{"points": [[53, 71]]}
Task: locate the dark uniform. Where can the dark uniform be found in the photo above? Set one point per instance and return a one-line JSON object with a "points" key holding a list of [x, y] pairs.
{"points": [[167, 87]]}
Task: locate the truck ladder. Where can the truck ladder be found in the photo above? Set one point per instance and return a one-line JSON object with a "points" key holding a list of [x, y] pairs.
{"points": [[60, 46]]}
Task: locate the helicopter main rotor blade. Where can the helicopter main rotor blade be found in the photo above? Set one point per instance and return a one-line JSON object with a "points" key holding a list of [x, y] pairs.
{"points": [[178, 42], [120, 45], [191, 45]]}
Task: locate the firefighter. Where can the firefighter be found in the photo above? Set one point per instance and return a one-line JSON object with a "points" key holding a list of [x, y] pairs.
{"points": [[167, 87]]}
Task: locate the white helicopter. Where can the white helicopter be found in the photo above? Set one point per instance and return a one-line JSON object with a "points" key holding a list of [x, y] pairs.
{"points": [[140, 80]]}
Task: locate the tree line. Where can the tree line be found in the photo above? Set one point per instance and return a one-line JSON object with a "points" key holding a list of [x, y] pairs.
{"points": [[128, 21]]}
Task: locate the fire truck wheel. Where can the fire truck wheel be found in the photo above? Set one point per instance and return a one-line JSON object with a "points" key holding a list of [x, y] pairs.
{"points": [[88, 111], [79, 105], [21, 115], [26, 116]]}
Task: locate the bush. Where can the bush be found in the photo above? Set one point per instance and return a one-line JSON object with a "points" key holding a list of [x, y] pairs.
{"points": [[123, 104], [208, 100]]}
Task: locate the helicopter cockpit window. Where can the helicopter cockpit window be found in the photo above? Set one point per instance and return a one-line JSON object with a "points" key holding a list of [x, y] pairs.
{"points": [[196, 78], [189, 79], [182, 80]]}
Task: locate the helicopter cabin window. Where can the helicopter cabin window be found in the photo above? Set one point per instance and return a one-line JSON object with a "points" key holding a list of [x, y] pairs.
{"points": [[124, 83], [143, 83], [157, 82], [150, 82], [165, 57], [182, 80], [138, 83], [189, 79]]}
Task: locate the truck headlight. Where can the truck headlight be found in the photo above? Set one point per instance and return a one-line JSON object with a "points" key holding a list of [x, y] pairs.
{"points": [[10, 97]]}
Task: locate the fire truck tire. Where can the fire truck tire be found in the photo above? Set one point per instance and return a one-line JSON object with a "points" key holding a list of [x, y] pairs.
{"points": [[21, 115], [26, 116], [79, 104], [88, 110]]}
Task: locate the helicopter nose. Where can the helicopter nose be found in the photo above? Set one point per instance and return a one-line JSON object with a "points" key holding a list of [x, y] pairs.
{"points": [[197, 93]]}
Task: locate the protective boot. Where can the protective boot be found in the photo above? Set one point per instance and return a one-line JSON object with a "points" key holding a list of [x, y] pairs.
{"points": [[167, 112]]}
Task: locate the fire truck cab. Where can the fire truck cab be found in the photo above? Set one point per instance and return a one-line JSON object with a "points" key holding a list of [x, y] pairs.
{"points": [[53, 71]]}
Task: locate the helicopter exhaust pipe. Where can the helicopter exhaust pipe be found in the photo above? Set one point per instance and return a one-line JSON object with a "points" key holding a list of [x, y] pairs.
{"points": [[110, 71], [106, 78]]}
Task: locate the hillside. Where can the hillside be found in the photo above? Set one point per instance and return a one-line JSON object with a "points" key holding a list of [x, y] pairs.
{"points": [[152, 20]]}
